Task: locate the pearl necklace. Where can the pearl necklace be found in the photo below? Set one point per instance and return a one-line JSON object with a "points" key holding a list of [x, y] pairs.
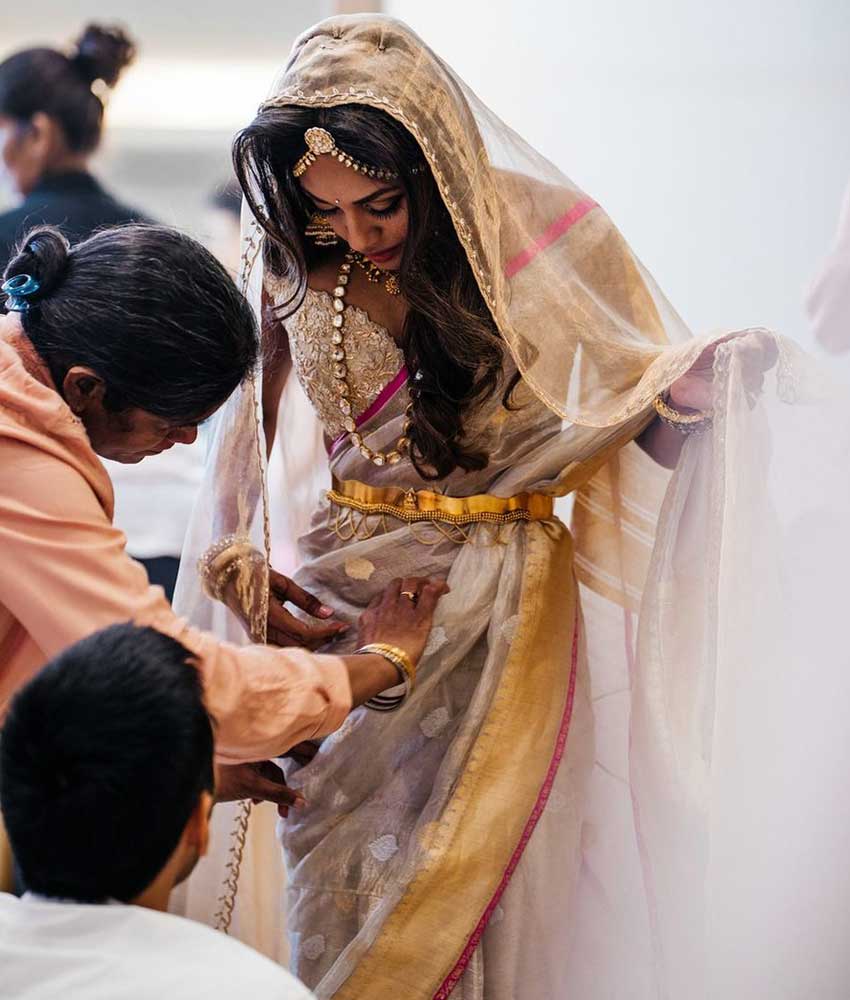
{"points": [[340, 373]]}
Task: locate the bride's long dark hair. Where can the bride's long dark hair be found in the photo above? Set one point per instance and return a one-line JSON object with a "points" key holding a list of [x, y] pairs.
{"points": [[451, 344]]}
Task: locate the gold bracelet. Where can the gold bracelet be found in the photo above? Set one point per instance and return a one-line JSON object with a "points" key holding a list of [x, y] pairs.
{"points": [[230, 555], [217, 583], [402, 662], [685, 423]]}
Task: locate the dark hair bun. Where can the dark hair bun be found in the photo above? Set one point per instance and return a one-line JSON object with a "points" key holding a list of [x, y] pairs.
{"points": [[42, 254], [102, 53]]}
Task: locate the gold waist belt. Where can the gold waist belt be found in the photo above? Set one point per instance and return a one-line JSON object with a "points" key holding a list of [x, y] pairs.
{"points": [[423, 505]]}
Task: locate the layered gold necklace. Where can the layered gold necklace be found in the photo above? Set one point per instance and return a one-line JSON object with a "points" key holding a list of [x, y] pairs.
{"points": [[374, 274]]}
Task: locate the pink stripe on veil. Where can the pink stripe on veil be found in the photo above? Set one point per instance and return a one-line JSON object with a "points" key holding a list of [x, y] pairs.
{"points": [[553, 232], [452, 979], [377, 404], [548, 236]]}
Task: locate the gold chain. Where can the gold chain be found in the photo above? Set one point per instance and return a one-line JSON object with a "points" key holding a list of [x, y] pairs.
{"points": [[374, 274], [227, 901]]}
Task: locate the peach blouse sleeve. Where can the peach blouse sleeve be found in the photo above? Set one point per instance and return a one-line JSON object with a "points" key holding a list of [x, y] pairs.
{"points": [[67, 574]]}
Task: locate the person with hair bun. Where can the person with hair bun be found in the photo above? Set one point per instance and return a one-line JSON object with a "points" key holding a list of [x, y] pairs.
{"points": [[119, 348], [51, 122]]}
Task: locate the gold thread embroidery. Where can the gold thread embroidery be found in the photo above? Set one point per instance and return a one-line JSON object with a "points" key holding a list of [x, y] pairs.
{"points": [[372, 357], [227, 901], [239, 833]]}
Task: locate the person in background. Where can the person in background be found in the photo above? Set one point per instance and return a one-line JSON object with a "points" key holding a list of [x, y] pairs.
{"points": [[221, 223], [828, 300], [51, 123], [107, 787]]}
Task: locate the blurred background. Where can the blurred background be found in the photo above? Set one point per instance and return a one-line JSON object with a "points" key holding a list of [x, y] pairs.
{"points": [[201, 71], [715, 134]]}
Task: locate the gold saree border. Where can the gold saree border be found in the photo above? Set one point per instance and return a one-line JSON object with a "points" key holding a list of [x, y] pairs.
{"points": [[470, 853]]}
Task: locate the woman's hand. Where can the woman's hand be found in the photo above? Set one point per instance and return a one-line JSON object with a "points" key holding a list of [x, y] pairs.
{"points": [[694, 391], [403, 614], [260, 782], [284, 629]]}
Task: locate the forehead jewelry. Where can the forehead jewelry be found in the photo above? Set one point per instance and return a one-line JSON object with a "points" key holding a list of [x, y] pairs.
{"points": [[321, 143]]}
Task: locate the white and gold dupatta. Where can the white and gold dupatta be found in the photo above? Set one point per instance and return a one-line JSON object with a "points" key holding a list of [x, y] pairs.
{"points": [[704, 609]]}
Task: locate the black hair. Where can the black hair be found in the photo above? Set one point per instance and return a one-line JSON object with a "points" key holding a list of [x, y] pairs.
{"points": [[147, 308], [103, 757], [451, 343], [60, 85]]}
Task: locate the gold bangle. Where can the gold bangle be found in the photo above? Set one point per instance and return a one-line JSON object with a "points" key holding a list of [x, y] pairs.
{"points": [[230, 555], [686, 423], [402, 662], [395, 655]]}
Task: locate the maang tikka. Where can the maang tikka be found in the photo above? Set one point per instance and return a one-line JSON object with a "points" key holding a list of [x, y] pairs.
{"points": [[321, 143]]}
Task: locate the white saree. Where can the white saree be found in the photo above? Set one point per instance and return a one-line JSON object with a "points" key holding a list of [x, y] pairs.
{"points": [[622, 771]]}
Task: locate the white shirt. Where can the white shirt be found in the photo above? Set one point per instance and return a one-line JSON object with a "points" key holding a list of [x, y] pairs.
{"points": [[54, 950], [154, 499]]}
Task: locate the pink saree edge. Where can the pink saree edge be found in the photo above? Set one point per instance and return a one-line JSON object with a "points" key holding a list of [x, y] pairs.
{"points": [[377, 404], [549, 235], [543, 797]]}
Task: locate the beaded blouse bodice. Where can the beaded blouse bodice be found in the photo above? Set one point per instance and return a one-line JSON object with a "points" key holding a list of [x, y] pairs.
{"points": [[372, 356]]}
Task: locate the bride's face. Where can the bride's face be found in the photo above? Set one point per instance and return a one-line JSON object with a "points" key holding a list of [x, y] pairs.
{"points": [[370, 215]]}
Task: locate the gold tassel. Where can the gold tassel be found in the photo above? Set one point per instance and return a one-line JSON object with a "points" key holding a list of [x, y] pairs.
{"points": [[320, 231]]}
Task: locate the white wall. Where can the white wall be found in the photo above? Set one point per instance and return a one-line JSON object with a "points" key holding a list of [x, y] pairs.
{"points": [[717, 134]]}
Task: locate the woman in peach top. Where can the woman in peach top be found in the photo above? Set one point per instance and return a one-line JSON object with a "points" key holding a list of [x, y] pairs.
{"points": [[118, 348]]}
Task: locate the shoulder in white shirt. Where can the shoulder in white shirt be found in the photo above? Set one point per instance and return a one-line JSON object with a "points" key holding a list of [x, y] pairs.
{"points": [[55, 950]]}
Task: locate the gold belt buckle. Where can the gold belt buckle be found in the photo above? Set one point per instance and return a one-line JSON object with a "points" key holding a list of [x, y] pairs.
{"points": [[410, 502]]}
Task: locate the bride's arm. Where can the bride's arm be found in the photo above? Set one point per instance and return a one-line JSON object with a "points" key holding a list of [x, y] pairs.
{"points": [[662, 443], [690, 396]]}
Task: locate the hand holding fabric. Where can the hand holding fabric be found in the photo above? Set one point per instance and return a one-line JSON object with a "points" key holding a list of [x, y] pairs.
{"points": [[261, 782], [403, 614], [694, 390], [284, 629]]}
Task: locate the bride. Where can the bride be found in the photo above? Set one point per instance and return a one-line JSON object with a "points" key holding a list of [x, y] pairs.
{"points": [[542, 814]]}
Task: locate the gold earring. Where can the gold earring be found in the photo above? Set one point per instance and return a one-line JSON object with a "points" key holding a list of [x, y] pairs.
{"points": [[320, 231]]}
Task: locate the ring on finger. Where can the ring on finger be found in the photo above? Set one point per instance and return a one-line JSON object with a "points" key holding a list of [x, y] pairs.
{"points": [[410, 595]]}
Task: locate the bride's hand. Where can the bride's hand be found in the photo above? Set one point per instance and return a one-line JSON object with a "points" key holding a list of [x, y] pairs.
{"points": [[284, 629], [694, 390]]}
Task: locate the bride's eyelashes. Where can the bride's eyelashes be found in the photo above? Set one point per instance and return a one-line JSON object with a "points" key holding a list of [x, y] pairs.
{"points": [[385, 213], [378, 213]]}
